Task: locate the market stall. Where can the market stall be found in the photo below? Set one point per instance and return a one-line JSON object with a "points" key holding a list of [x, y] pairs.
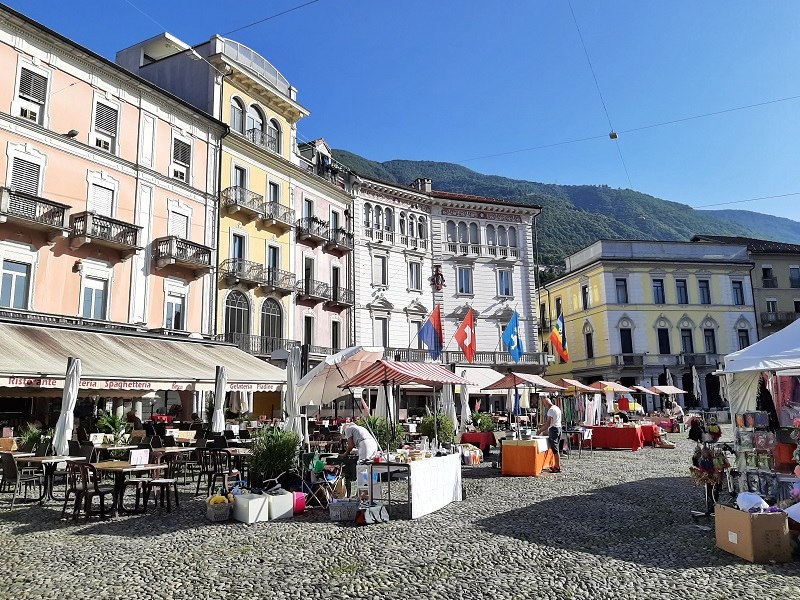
{"points": [[523, 458]]}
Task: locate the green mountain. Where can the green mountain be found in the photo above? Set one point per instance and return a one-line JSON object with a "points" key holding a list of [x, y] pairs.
{"points": [[574, 216]]}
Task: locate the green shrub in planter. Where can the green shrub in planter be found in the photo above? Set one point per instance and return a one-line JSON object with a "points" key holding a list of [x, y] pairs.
{"points": [[380, 427], [482, 421], [275, 451], [444, 428]]}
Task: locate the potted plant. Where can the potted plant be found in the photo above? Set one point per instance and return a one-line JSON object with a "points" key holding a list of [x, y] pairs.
{"points": [[387, 439], [444, 428], [482, 421], [115, 427], [29, 437], [274, 452]]}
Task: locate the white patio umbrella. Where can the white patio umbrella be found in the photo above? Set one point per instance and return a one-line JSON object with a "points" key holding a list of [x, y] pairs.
{"points": [[321, 384], [291, 408], [384, 406], [67, 417], [464, 394], [698, 394], [449, 403], [218, 416]]}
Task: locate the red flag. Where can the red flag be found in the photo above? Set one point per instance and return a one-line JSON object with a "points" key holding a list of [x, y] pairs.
{"points": [[465, 336]]}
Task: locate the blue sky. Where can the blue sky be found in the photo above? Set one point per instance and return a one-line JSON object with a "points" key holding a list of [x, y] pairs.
{"points": [[460, 80]]}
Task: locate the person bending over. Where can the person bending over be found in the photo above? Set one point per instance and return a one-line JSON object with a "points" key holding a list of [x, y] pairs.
{"points": [[361, 438], [552, 425]]}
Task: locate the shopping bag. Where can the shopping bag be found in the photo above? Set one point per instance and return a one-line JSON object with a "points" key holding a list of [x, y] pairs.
{"points": [[374, 513]]}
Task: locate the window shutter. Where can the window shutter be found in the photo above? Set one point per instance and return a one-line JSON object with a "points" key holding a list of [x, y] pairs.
{"points": [[102, 201], [32, 86], [181, 153], [377, 270], [25, 176], [179, 225], [105, 119]]}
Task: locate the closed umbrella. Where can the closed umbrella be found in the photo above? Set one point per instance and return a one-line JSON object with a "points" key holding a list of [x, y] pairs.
{"points": [[698, 394], [291, 409], [384, 405], [449, 403], [464, 405], [218, 417], [67, 417]]}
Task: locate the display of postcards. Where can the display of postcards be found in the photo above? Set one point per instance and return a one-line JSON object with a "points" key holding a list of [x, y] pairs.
{"points": [[761, 418], [785, 435], [750, 459], [764, 460], [744, 438], [740, 420], [763, 440], [749, 419]]}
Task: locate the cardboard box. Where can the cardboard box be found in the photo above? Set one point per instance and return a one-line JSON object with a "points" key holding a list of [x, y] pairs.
{"points": [[281, 505], [251, 508], [759, 538]]}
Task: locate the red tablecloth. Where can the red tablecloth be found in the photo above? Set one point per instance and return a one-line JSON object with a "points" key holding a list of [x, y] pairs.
{"points": [[482, 439], [617, 437], [649, 432], [161, 418]]}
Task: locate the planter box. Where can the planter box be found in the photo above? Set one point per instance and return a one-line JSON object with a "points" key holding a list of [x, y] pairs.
{"points": [[281, 505], [251, 508], [758, 538]]}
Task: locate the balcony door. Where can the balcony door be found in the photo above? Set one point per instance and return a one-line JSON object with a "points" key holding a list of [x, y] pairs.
{"points": [[273, 262], [335, 271], [626, 340], [237, 247], [308, 274], [237, 318], [271, 320]]}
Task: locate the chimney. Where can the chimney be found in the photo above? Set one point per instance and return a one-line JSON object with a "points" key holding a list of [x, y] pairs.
{"points": [[422, 184]]}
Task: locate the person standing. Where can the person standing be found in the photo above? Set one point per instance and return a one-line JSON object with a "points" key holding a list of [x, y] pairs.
{"points": [[552, 425]]}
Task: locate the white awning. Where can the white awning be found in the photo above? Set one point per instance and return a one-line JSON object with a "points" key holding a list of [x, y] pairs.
{"points": [[482, 377], [35, 356]]}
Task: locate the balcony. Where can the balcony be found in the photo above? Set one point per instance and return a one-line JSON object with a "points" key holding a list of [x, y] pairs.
{"points": [[478, 250], [629, 360], [406, 355], [278, 215], [413, 243], [777, 318], [244, 202], [257, 345], [769, 282], [312, 229], [34, 213], [91, 228], [341, 297], [379, 235], [278, 281], [311, 289], [29, 316], [320, 351], [263, 139], [240, 271], [173, 250], [339, 239], [700, 360]]}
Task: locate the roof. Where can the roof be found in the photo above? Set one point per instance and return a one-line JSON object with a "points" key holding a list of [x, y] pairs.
{"points": [[35, 356], [482, 199], [753, 245], [400, 373], [481, 377]]}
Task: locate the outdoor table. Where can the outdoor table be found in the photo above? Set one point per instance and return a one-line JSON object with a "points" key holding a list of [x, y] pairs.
{"points": [[323, 444], [649, 433], [120, 469], [526, 457], [49, 464], [482, 439], [174, 450], [186, 441], [617, 437], [16, 454]]}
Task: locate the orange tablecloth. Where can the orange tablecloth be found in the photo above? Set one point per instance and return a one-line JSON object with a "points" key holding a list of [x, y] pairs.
{"points": [[649, 432], [617, 437], [523, 458], [482, 439]]}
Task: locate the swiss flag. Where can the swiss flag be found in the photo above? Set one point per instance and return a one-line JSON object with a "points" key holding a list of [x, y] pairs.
{"points": [[465, 336]]}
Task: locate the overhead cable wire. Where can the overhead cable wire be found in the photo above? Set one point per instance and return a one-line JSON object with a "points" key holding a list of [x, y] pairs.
{"points": [[265, 19], [788, 195]]}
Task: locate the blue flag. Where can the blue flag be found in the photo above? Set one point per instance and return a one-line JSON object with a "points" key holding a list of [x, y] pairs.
{"points": [[431, 333], [511, 338]]}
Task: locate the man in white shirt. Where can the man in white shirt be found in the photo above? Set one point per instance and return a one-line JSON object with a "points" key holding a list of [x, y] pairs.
{"points": [[361, 438], [552, 425], [677, 411]]}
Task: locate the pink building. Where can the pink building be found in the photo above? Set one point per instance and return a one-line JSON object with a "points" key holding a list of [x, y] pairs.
{"points": [[107, 190]]}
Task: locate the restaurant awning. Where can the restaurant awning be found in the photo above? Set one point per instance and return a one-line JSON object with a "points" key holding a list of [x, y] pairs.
{"points": [[643, 390], [573, 385], [35, 356], [668, 389], [481, 377], [512, 380], [399, 373]]}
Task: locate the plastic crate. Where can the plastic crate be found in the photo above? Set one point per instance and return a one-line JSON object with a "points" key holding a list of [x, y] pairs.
{"points": [[343, 510], [218, 513]]}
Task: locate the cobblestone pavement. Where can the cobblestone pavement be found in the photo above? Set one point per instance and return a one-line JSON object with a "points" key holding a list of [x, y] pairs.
{"points": [[613, 524]]}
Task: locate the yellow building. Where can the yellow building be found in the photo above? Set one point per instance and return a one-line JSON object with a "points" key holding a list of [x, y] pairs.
{"points": [[635, 309]]}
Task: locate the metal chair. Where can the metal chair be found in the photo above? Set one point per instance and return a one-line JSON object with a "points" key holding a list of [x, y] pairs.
{"points": [[14, 479], [163, 484], [74, 487], [91, 489]]}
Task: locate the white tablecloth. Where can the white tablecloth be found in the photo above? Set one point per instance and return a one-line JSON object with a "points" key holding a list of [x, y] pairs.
{"points": [[435, 483]]}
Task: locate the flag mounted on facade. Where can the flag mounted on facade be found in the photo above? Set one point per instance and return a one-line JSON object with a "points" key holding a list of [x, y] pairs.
{"points": [[465, 336], [558, 338], [512, 339], [431, 333]]}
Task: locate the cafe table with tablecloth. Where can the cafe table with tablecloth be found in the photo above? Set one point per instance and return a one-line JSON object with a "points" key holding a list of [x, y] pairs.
{"points": [[649, 433], [482, 439], [610, 437], [526, 457]]}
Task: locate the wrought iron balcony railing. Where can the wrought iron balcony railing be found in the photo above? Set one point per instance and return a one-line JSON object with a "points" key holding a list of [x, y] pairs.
{"points": [[239, 270], [339, 239], [89, 227], [263, 139], [33, 211], [312, 228], [173, 250], [257, 345], [239, 199], [342, 296], [278, 214], [311, 289], [275, 279]]}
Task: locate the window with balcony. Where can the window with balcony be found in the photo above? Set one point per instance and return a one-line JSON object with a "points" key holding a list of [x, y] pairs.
{"points": [[255, 119], [422, 228], [664, 346], [237, 115], [181, 160], [15, 284], [738, 293], [388, 219], [31, 95], [179, 225], [681, 291], [512, 237], [772, 306], [543, 315], [380, 270], [274, 136], [101, 200], [414, 335], [238, 246], [308, 208], [336, 335], [768, 277], [622, 290], [25, 176], [687, 341], [704, 287], [491, 235], [463, 235], [380, 331], [104, 131], [710, 339], [504, 285], [415, 276], [464, 278], [412, 226], [367, 215], [452, 235], [794, 277], [308, 330], [95, 298], [626, 340], [237, 316], [585, 297], [474, 234], [658, 291], [271, 319], [743, 337], [274, 192], [176, 311], [589, 340]]}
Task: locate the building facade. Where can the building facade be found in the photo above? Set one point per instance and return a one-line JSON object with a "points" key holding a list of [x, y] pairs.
{"points": [[635, 309]]}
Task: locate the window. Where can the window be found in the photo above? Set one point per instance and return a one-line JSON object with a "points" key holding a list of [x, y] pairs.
{"points": [[710, 339], [380, 331], [681, 291], [768, 277], [415, 276], [237, 246], [308, 330], [14, 285], [738, 293], [176, 311], [543, 315], [491, 235], [181, 159], [273, 259], [237, 316], [95, 298], [502, 236], [240, 179], [388, 216], [101, 200], [415, 327], [271, 319], [274, 136], [743, 336], [794, 277], [474, 235], [25, 176], [626, 340], [334, 220], [772, 306], [705, 291], [622, 291], [512, 237], [585, 297], [463, 236], [32, 95], [663, 341], [687, 341], [308, 208], [402, 223], [451, 232], [589, 344], [658, 291], [558, 307], [504, 289], [367, 215], [255, 119], [308, 274], [797, 306], [464, 276], [274, 192], [422, 228], [237, 115], [380, 269], [179, 225], [336, 335], [105, 127]]}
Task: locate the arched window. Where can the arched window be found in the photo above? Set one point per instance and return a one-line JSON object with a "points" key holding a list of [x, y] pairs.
{"points": [[237, 316], [237, 115], [423, 228], [512, 237], [255, 118], [271, 319], [368, 215], [491, 235], [502, 237], [451, 231], [463, 238], [274, 136], [378, 217], [402, 221], [388, 216], [474, 237], [412, 226]]}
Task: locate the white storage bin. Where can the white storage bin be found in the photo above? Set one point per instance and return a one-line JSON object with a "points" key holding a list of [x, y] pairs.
{"points": [[251, 508], [281, 505]]}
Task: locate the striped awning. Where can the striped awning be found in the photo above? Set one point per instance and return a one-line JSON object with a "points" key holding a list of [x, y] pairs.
{"points": [[399, 373], [513, 380], [575, 385]]}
